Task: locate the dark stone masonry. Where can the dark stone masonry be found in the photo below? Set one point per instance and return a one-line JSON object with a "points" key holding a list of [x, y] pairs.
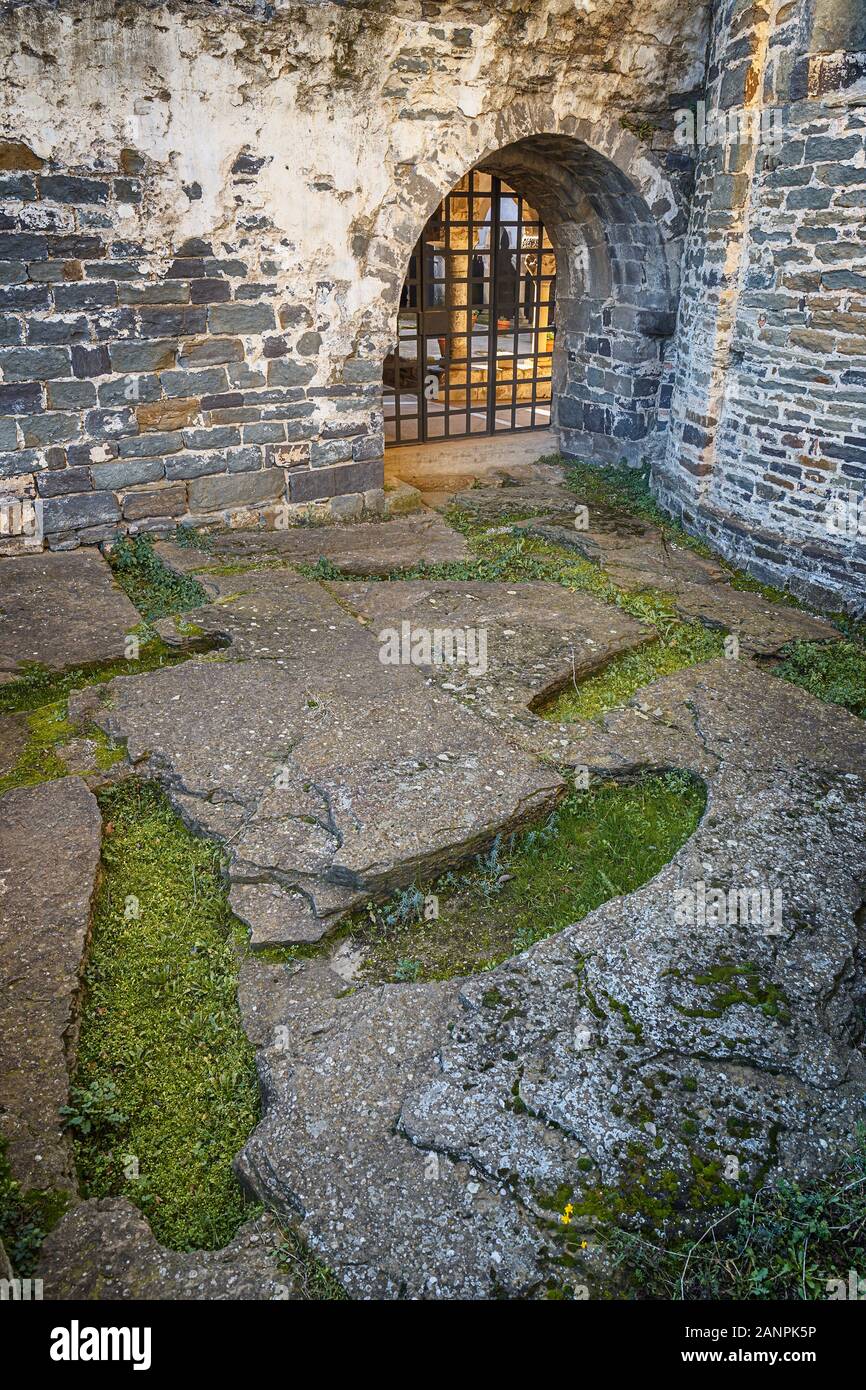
{"points": [[207, 211]]}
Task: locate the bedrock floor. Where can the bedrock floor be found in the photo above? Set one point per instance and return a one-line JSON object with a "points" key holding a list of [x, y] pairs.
{"points": [[680, 1043]]}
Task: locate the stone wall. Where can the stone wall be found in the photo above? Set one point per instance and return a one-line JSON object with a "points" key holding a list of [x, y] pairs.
{"points": [[767, 447], [206, 213]]}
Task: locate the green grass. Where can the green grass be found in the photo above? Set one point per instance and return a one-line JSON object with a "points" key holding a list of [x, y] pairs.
{"points": [[835, 672], [161, 1023], [155, 590], [612, 485], [322, 569], [188, 538], [311, 1280], [785, 1242], [43, 696], [37, 686], [685, 645], [26, 1217], [597, 844]]}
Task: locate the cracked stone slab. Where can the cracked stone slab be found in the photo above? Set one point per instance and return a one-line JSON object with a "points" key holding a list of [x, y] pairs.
{"points": [[105, 1249], [514, 497], [61, 610], [659, 726], [628, 1047], [406, 1223], [328, 775], [539, 637], [50, 838], [372, 548], [273, 614], [637, 555]]}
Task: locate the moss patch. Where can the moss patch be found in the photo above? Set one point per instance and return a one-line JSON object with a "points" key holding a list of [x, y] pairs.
{"points": [[43, 697], [598, 844], [788, 1241], [37, 686], [730, 983], [26, 1217], [627, 489], [161, 1023], [38, 760]]}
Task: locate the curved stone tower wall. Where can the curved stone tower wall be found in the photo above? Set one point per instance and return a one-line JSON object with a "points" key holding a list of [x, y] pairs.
{"points": [[766, 451]]}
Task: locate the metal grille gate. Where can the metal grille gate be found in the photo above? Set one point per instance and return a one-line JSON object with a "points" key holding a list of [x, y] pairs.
{"points": [[476, 321]]}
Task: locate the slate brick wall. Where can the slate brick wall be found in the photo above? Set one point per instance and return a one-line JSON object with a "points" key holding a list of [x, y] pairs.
{"points": [[767, 451], [140, 395]]}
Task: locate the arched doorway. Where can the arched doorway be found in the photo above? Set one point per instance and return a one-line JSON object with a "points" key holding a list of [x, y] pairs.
{"points": [[584, 342], [474, 352]]}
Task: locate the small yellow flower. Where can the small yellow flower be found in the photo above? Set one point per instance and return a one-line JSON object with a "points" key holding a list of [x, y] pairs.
{"points": [[567, 1214]]}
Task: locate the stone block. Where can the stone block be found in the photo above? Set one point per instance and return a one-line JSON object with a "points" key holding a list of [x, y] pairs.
{"points": [[236, 490], [155, 502], [208, 352], [169, 322], [348, 506], [174, 414], [49, 427], [195, 465], [34, 363], [79, 510], [22, 398], [152, 356], [150, 445], [61, 481], [71, 395], [61, 188], [220, 438], [241, 318], [285, 372], [114, 476], [318, 484]]}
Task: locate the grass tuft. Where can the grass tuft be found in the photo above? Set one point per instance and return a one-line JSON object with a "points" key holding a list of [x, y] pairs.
{"points": [[686, 644], [155, 589], [834, 672], [597, 844], [166, 1091]]}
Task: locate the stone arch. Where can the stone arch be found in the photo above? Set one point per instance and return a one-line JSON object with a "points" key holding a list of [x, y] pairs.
{"points": [[617, 229]]}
